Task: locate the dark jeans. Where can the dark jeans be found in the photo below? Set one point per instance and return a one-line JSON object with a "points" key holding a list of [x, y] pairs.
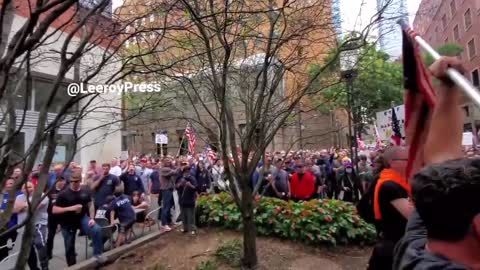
{"points": [[188, 218], [39, 247], [69, 234], [52, 230], [3, 241], [167, 205], [382, 256]]}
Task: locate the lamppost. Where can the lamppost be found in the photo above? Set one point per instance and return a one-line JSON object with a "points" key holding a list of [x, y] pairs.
{"points": [[348, 69]]}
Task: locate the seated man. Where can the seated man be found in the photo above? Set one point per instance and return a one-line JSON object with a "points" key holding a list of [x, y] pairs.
{"points": [[122, 208], [444, 230]]}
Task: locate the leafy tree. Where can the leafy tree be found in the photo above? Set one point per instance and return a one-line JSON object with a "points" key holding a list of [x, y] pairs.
{"points": [[447, 49], [378, 85]]}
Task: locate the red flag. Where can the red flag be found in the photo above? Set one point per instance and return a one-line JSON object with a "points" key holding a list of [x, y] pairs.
{"points": [[190, 134], [419, 100]]}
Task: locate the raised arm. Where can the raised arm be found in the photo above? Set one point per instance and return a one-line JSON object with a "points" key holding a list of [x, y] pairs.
{"points": [[446, 128]]}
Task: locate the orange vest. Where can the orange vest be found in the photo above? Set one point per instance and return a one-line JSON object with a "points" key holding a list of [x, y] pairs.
{"points": [[385, 176]]}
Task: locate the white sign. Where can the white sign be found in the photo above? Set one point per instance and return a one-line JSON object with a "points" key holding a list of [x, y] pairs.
{"points": [[59, 155], [467, 139], [384, 122], [161, 139], [124, 155]]}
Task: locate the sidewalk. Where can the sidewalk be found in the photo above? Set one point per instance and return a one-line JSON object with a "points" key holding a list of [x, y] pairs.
{"points": [[58, 261]]}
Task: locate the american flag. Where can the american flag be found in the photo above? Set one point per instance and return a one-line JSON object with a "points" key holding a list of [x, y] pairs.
{"points": [[209, 153], [190, 134], [396, 138], [419, 101]]}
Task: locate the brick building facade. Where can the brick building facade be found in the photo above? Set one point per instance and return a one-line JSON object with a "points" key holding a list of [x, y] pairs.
{"points": [[455, 21], [307, 129]]}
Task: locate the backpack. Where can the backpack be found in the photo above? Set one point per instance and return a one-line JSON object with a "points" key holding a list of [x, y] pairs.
{"points": [[365, 205]]}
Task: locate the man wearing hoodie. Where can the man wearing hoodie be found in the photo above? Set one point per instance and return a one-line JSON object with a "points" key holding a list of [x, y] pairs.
{"points": [[444, 230]]}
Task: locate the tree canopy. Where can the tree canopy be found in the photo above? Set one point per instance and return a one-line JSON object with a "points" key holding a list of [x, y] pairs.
{"points": [[379, 83]]}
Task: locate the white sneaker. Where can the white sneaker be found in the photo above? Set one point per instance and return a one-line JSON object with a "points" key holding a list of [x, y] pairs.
{"points": [[100, 259], [166, 228]]}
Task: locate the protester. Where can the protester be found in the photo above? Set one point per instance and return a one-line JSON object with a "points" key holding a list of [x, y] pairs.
{"points": [[115, 168], [218, 176], [364, 172], [302, 184], [444, 230], [53, 221], [104, 186], [187, 189], [39, 245], [391, 207], [203, 178], [131, 181], [8, 191], [348, 183], [55, 174], [17, 174], [74, 206], [122, 208], [144, 172], [167, 186], [279, 181], [138, 202]]}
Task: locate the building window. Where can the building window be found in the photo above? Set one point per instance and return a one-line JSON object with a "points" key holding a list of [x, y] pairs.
{"points": [[467, 17], [467, 111], [475, 78], [471, 48], [453, 7], [152, 17], [18, 145], [444, 21], [456, 34]]}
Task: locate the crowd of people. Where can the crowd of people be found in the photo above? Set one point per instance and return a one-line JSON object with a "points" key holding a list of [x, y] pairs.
{"points": [[431, 222]]}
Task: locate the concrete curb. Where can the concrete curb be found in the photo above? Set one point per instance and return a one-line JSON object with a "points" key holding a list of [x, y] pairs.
{"points": [[116, 253]]}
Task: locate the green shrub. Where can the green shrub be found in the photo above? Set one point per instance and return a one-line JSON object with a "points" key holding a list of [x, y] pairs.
{"points": [[317, 221], [206, 265], [230, 252]]}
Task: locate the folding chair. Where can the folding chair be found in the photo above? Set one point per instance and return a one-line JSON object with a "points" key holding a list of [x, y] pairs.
{"points": [[149, 217], [10, 244]]}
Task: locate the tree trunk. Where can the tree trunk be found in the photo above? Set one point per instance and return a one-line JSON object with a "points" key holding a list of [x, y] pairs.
{"points": [[249, 260]]}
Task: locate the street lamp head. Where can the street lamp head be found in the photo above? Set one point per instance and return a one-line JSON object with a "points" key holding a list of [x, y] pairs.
{"points": [[348, 60]]}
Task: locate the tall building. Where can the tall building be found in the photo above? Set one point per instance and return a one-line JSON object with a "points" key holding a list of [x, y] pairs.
{"points": [[151, 16], [101, 144], [336, 16], [390, 40], [455, 21]]}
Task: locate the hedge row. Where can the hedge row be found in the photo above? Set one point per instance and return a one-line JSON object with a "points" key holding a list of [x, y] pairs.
{"points": [[316, 222]]}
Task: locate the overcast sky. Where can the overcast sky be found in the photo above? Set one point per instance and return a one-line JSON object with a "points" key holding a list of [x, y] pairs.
{"points": [[357, 13]]}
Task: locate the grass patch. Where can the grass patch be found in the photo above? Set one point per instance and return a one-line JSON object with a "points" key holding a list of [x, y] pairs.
{"points": [[230, 253], [206, 265]]}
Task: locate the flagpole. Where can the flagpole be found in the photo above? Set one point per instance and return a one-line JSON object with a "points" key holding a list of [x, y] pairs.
{"points": [[181, 144], [452, 73]]}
